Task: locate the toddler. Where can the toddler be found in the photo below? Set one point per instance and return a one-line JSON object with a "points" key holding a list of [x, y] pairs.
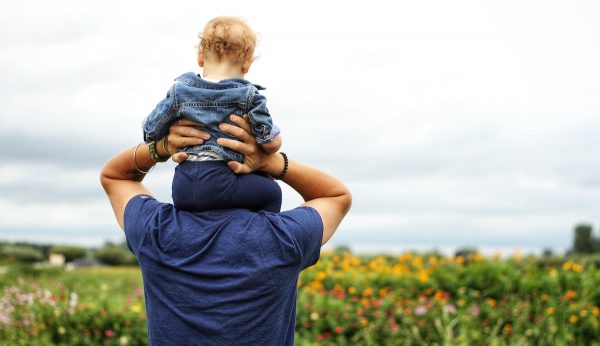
{"points": [[204, 181]]}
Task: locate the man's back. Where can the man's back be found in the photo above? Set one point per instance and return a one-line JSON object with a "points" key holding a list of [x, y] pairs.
{"points": [[221, 277]]}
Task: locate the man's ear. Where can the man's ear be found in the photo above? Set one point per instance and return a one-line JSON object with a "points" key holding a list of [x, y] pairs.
{"points": [[200, 59]]}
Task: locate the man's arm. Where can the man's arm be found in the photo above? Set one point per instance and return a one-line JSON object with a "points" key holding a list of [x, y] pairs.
{"points": [[120, 176], [330, 197]]}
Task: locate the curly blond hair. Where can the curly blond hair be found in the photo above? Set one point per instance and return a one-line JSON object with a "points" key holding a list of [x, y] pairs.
{"points": [[228, 37]]}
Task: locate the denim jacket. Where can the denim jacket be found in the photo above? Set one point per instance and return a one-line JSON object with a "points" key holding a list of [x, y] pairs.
{"points": [[210, 103]]}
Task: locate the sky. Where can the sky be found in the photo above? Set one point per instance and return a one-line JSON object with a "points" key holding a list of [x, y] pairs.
{"points": [[453, 123]]}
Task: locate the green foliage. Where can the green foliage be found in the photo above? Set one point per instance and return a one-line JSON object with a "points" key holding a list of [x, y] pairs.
{"points": [[80, 307], [584, 241], [343, 300], [115, 255], [70, 252], [20, 253]]}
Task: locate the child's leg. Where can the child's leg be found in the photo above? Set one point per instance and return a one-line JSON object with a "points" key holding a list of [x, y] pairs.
{"points": [[210, 185], [256, 191]]}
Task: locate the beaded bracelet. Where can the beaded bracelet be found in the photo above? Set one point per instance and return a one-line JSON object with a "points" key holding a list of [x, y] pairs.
{"points": [[154, 154], [285, 166]]}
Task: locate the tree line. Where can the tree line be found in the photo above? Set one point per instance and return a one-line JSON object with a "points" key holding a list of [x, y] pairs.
{"points": [[109, 254], [584, 240]]}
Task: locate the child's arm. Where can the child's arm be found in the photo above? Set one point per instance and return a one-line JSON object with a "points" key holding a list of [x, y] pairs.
{"points": [[156, 125], [261, 124], [273, 146]]}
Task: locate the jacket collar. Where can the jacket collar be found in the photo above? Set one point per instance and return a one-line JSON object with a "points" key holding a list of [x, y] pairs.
{"points": [[192, 79]]}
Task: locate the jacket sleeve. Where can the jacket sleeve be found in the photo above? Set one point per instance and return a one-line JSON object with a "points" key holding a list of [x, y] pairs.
{"points": [[260, 120], [156, 125]]}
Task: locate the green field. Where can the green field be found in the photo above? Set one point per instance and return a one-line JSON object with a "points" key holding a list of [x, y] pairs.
{"points": [[343, 300]]}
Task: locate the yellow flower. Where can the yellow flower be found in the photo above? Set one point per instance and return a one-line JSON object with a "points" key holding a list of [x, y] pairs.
{"points": [[460, 259], [363, 321], [544, 297], [567, 266], [550, 310], [136, 308], [595, 311], [573, 319], [423, 276], [491, 302], [321, 276], [432, 261], [61, 330], [351, 290], [104, 287], [314, 316]]}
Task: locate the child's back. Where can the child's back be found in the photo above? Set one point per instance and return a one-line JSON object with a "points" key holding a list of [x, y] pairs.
{"points": [[204, 181]]}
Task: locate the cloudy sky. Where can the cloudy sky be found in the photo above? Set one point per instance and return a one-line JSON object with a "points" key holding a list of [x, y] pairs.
{"points": [[452, 122]]}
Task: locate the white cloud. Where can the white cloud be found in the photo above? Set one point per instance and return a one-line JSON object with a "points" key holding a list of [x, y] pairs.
{"points": [[464, 116]]}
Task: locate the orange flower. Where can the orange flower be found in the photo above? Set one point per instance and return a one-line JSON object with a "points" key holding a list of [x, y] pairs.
{"points": [[383, 291], [508, 329], [570, 295], [491, 302], [367, 292]]}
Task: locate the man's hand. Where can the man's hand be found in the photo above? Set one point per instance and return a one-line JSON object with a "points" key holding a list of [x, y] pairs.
{"points": [[181, 135], [255, 158]]}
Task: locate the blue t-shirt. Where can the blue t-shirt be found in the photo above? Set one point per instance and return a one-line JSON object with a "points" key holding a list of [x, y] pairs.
{"points": [[221, 277]]}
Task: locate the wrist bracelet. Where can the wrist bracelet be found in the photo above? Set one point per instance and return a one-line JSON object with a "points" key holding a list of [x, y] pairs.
{"points": [[166, 145], [154, 154], [135, 160], [285, 166]]}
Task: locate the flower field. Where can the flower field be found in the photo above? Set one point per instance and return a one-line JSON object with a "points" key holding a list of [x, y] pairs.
{"points": [[343, 300]]}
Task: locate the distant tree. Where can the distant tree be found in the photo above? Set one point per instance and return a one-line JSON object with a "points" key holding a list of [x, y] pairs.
{"points": [[465, 251], [583, 240], [342, 248], [20, 253], [115, 255], [70, 252], [547, 252]]}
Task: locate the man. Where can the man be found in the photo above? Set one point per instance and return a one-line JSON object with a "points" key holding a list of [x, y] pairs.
{"points": [[222, 277]]}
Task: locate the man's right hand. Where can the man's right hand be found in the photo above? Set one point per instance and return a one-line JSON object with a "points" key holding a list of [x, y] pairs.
{"points": [[321, 191], [255, 158]]}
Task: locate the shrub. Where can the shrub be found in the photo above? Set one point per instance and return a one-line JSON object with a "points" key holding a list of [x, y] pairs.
{"points": [[19, 253], [71, 253], [115, 255]]}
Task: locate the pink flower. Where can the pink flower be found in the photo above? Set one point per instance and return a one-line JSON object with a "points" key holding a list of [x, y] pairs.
{"points": [[420, 310], [109, 333], [450, 308], [474, 310]]}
